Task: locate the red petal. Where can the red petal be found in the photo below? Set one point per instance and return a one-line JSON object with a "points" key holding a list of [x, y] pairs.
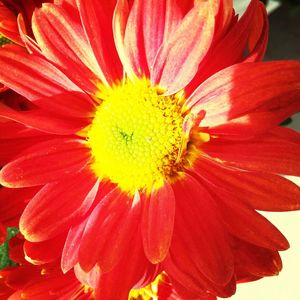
{"points": [[229, 43], [243, 88], [30, 43], [186, 284], [11, 147], [231, 47], [96, 18], [117, 283], [254, 123], [62, 40], [8, 26], [57, 206], [89, 279], [257, 261], [71, 248], [134, 40], [159, 23], [246, 224], [120, 18], [261, 155], [70, 104], [51, 286], [286, 134], [199, 233], [16, 252], [13, 202], [157, 223], [258, 37], [224, 18], [260, 190], [31, 76], [177, 291], [13, 130], [177, 61], [193, 280], [44, 252], [148, 26], [45, 162], [105, 237], [44, 121]]}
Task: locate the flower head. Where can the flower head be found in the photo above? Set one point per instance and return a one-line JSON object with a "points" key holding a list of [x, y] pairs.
{"points": [[149, 140]]}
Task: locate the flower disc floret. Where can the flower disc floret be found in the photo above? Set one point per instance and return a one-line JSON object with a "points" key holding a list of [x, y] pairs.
{"points": [[136, 136]]}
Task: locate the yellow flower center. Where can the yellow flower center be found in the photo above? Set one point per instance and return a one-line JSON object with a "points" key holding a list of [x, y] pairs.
{"points": [[136, 136]]}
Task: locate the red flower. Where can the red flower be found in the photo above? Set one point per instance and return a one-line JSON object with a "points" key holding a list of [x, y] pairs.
{"points": [[152, 142]]}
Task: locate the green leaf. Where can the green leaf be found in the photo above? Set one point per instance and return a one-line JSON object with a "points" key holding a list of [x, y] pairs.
{"points": [[4, 41]]}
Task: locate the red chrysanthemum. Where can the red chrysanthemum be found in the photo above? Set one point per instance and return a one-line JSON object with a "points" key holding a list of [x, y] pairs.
{"points": [[149, 140]]}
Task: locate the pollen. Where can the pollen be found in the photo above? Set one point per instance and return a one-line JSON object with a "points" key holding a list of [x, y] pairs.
{"points": [[136, 136]]}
